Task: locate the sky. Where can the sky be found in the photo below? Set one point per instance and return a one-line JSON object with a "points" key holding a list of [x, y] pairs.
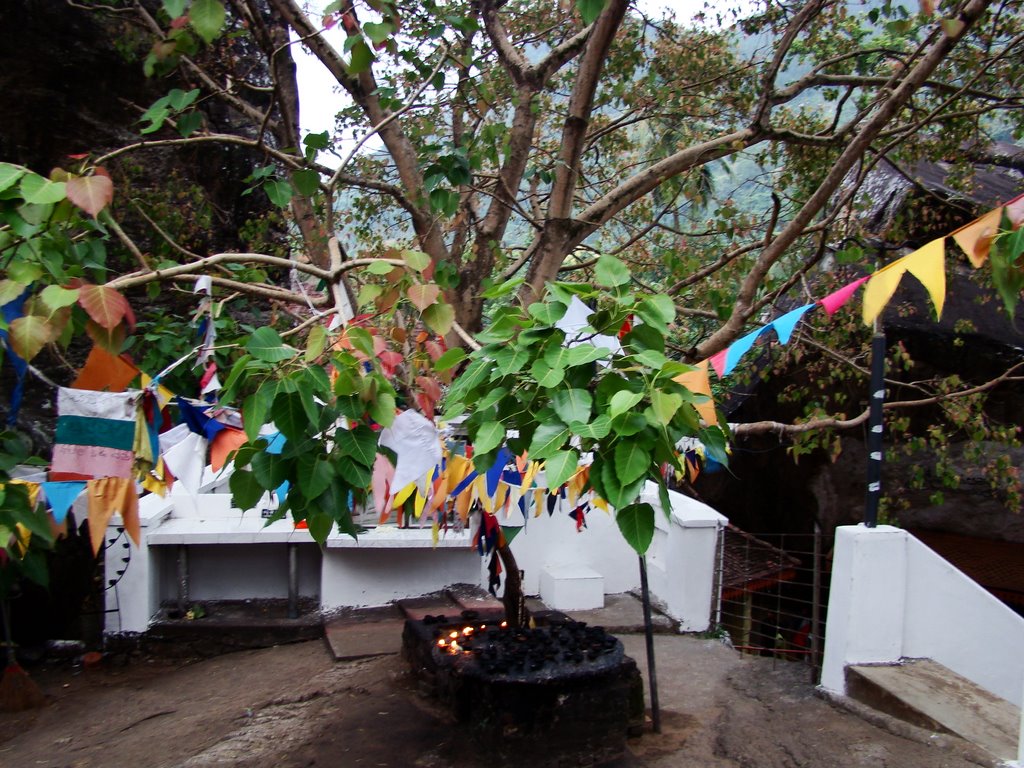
{"points": [[317, 109]]}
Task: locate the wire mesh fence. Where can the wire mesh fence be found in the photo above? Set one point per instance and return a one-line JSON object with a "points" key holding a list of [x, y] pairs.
{"points": [[773, 592]]}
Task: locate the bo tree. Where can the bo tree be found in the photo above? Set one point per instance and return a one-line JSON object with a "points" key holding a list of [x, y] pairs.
{"points": [[501, 146]]}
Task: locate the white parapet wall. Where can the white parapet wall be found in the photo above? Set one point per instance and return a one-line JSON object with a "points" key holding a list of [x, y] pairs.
{"points": [[680, 563], [893, 598]]}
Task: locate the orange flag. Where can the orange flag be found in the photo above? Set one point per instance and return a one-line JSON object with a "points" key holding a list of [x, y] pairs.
{"points": [[699, 382], [104, 371], [108, 495], [976, 238], [224, 443]]}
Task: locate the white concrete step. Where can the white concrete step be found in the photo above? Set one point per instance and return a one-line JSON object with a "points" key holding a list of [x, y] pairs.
{"points": [[571, 588], [927, 694]]}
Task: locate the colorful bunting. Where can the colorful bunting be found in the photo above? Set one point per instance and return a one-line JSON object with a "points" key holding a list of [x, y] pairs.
{"points": [[927, 264], [95, 434], [834, 301], [108, 495], [61, 495]]}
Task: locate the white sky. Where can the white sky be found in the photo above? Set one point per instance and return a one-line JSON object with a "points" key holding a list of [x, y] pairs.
{"points": [[320, 97]]}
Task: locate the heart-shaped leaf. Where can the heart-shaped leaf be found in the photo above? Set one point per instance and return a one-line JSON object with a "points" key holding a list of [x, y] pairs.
{"points": [[28, 335], [104, 305], [488, 437], [631, 461], [560, 467], [636, 522], [90, 193], [439, 317], [423, 296]]}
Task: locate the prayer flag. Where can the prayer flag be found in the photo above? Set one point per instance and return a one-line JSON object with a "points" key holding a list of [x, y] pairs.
{"points": [[95, 434]]}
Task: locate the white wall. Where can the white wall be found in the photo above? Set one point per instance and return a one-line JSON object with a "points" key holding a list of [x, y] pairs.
{"points": [[892, 597]]}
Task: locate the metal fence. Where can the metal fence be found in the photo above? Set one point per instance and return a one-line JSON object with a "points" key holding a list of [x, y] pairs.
{"points": [[774, 595]]}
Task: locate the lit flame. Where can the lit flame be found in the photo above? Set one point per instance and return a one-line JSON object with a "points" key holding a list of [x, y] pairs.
{"points": [[453, 634], [504, 624], [467, 631], [441, 643]]}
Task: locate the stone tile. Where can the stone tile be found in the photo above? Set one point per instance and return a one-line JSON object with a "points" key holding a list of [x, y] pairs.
{"points": [[349, 640]]}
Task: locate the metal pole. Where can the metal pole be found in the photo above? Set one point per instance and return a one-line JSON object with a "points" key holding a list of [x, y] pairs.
{"points": [[652, 676], [293, 581], [816, 606], [874, 491]]}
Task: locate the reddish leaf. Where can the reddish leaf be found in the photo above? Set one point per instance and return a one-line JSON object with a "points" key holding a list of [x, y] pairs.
{"points": [[90, 193], [104, 305], [28, 335], [426, 404], [99, 170], [389, 361], [434, 349], [79, 156], [329, 20], [109, 339], [430, 387], [179, 23], [422, 296], [348, 21]]}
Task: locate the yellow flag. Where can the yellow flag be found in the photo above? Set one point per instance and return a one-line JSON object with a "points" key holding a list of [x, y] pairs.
{"points": [[927, 264]]}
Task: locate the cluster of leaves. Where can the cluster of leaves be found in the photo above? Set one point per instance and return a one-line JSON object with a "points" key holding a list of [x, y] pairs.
{"points": [[25, 534], [561, 398], [189, 24], [51, 254]]}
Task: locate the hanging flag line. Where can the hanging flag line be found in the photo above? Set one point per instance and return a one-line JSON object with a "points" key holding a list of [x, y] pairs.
{"points": [[927, 264]]}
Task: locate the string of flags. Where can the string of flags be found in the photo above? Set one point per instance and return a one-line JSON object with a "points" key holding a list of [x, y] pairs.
{"points": [[110, 443]]}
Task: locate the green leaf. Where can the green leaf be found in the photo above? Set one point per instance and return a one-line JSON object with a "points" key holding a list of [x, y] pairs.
{"points": [[306, 180], [547, 313], [10, 290], [380, 268], [39, 191], [503, 288], [361, 339], [581, 354], [416, 260], [362, 58], [319, 523], [359, 443], [665, 405], [256, 408], [174, 8], [289, 415], [449, 359], [548, 440], [628, 424], [315, 474], [597, 429], [28, 335], [493, 396], [622, 401], [271, 469], [657, 310], [279, 192], [207, 17], [10, 174], [54, 297], [382, 409], [631, 461], [560, 467], [636, 522], [189, 123], [488, 437], [611, 272], [589, 9], [511, 359], [266, 344], [650, 358], [439, 318], [378, 33], [316, 341], [572, 405], [246, 492]]}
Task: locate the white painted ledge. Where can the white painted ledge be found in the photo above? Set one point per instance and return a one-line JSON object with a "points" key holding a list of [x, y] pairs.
{"points": [[392, 537]]}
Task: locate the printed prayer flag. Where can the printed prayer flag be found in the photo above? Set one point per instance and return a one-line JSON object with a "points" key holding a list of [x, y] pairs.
{"points": [[95, 434], [104, 371]]}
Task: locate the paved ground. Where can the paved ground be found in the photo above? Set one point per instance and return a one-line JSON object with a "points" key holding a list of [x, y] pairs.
{"points": [[295, 705]]}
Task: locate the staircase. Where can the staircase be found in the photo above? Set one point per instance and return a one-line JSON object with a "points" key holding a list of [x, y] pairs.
{"points": [[927, 694]]}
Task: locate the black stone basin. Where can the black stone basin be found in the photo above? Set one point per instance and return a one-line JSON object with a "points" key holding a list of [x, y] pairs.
{"points": [[558, 694]]}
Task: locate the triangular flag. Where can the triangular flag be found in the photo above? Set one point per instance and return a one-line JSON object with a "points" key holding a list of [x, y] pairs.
{"points": [[880, 288], [928, 264], [784, 325], [739, 348], [224, 443], [976, 238], [61, 495], [699, 382], [103, 370], [717, 361], [108, 495], [835, 300]]}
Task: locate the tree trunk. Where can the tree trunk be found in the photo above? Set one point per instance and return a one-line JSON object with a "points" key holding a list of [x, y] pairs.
{"points": [[515, 603]]}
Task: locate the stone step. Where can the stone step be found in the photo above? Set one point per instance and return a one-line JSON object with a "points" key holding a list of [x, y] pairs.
{"points": [[927, 694]]}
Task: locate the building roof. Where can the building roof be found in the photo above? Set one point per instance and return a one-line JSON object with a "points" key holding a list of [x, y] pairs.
{"points": [[751, 565]]}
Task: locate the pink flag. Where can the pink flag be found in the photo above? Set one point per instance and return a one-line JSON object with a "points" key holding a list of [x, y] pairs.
{"points": [[718, 362], [834, 301]]}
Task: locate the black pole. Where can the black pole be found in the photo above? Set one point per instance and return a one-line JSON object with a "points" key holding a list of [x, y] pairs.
{"points": [[652, 676], [874, 492]]}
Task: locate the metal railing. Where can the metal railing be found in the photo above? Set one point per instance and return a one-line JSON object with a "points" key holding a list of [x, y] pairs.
{"points": [[773, 595]]}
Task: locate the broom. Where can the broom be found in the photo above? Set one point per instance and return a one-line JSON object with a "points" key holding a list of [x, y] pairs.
{"points": [[17, 690]]}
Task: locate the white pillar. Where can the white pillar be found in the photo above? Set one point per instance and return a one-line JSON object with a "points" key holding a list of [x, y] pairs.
{"points": [[866, 601]]}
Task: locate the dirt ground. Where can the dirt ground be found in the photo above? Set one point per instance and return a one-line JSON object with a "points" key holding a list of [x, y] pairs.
{"points": [[293, 705]]}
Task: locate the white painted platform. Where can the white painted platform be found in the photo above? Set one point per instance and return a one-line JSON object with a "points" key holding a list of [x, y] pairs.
{"points": [[571, 588]]}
